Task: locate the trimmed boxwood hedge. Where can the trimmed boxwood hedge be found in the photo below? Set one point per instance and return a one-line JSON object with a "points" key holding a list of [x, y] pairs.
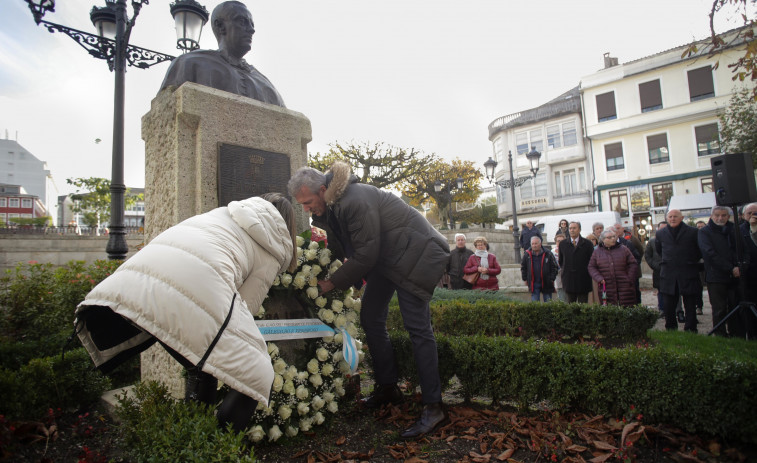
{"points": [[698, 393]]}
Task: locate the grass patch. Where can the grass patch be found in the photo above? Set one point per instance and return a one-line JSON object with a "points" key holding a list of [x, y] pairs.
{"points": [[681, 342]]}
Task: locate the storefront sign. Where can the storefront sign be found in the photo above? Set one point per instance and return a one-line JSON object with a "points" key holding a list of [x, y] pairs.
{"points": [[533, 202]]}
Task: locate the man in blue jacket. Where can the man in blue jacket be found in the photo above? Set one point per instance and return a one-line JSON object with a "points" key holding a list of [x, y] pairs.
{"points": [[718, 246]]}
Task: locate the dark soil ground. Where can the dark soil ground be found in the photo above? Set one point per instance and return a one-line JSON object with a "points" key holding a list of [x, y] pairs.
{"points": [[477, 431]]}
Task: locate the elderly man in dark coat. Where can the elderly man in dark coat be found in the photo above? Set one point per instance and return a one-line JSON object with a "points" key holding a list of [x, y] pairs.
{"points": [[395, 249], [678, 247], [458, 257], [528, 232], [575, 254], [718, 247]]}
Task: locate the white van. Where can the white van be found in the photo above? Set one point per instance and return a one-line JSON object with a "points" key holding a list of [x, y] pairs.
{"points": [[549, 224]]}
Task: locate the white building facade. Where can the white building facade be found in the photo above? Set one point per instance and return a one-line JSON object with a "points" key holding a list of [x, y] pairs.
{"points": [[563, 183], [652, 128], [19, 167]]}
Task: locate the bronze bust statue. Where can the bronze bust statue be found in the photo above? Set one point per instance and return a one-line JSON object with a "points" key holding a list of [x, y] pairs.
{"points": [[225, 68]]}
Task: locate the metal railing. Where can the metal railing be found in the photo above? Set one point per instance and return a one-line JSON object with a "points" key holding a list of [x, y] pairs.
{"points": [[67, 230]]}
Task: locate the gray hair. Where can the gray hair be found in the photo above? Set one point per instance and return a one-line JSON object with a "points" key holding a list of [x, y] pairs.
{"points": [[720, 208], [597, 224], [604, 234], [307, 177], [458, 235], [575, 222], [535, 238]]}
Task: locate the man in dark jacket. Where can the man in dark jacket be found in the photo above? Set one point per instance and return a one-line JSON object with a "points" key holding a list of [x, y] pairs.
{"points": [[678, 247], [395, 249], [653, 259], [538, 270], [718, 248], [458, 257], [749, 235], [575, 254], [529, 230]]}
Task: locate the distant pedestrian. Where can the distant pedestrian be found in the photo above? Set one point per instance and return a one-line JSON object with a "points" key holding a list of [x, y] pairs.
{"points": [[678, 247], [562, 228], [538, 270], [575, 254], [597, 229], [485, 264], [458, 257], [529, 230], [615, 269]]}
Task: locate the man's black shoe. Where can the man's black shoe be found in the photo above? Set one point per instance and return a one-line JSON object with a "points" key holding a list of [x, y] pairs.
{"points": [[431, 417], [383, 394]]}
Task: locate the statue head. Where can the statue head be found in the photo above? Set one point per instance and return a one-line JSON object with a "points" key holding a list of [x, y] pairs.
{"points": [[233, 27]]}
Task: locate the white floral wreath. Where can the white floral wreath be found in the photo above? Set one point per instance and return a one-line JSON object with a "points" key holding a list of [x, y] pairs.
{"points": [[299, 398]]}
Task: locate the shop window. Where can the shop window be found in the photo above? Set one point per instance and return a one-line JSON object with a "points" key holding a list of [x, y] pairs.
{"points": [[661, 194], [619, 202]]}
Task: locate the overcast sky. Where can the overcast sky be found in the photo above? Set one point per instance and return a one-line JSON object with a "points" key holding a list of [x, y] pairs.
{"points": [[412, 73]]}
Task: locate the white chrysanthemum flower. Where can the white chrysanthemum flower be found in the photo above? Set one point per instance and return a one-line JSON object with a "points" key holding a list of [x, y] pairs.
{"points": [[352, 316], [285, 412], [306, 424], [302, 392], [357, 305], [313, 366], [291, 373], [288, 387], [327, 369], [328, 316], [300, 254], [292, 431], [303, 409], [305, 271], [318, 419], [352, 330], [273, 349], [299, 281], [286, 280], [328, 397], [337, 356], [256, 433], [279, 366], [337, 306], [316, 270], [312, 291], [311, 254], [322, 354], [300, 241], [316, 380], [339, 382], [313, 282], [278, 383], [339, 337], [340, 321], [324, 259], [325, 252], [332, 407], [274, 433], [314, 245], [328, 339], [277, 280], [317, 402], [344, 367], [340, 391], [302, 376], [321, 302], [349, 302]]}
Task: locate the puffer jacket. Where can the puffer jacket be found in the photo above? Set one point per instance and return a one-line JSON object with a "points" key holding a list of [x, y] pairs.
{"points": [[378, 232], [179, 290], [618, 268], [491, 283]]}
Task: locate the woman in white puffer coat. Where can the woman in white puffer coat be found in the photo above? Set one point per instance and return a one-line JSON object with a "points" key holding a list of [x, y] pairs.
{"points": [[193, 289]]}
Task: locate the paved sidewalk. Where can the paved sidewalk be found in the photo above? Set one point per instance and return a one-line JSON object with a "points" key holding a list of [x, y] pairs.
{"points": [[649, 299]]}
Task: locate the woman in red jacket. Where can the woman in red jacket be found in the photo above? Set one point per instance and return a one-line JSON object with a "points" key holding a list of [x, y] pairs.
{"points": [[485, 264], [614, 265]]}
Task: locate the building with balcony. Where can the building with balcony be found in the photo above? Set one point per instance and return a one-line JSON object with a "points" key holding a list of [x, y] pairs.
{"points": [[20, 167], [16, 203], [563, 182], [652, 126]]}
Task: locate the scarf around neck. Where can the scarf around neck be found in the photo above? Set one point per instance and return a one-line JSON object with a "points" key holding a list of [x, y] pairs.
{"points": [[484, 261]]}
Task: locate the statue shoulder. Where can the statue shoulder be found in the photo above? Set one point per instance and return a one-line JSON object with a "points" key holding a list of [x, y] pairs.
{"points": [[191, 67]]}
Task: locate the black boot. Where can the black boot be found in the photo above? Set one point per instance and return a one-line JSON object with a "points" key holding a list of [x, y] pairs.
{"points": [[236, 409], [431, 417], [383, 394], [200, 387]]}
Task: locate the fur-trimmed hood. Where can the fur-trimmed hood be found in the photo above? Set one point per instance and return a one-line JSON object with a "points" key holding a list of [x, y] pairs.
{"points": [[338, 178]]}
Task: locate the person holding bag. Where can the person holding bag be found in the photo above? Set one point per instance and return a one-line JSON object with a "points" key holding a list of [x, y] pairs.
{"points": [[483, 264]]}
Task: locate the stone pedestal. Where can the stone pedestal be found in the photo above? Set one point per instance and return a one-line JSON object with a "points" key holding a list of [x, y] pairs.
{"points": [[183, 132]]}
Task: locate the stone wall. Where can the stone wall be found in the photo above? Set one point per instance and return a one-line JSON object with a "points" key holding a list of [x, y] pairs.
{"points": [[57, 249]]}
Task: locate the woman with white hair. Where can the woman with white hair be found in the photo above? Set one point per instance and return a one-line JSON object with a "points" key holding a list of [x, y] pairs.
{"points": [[614, 269]]}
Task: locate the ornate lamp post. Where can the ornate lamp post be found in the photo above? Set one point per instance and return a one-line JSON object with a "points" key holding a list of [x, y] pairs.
{"points": [[112, 44], [490, 165], [448, 192]]}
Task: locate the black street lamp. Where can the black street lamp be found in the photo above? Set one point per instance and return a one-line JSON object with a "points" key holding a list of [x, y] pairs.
{"points": [[448, 190], [533, 158], [112, 44]]}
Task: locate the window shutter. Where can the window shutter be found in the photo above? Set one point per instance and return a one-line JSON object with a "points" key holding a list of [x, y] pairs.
{"points": [[657, 141], [700, 82], [606, 106], [650, 95]]}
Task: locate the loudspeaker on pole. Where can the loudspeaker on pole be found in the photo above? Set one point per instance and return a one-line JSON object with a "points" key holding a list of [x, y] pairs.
{"points": [[733, 179]]}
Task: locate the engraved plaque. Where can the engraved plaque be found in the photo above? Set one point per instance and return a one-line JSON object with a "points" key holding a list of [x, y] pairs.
{"points": [[244, 172]]}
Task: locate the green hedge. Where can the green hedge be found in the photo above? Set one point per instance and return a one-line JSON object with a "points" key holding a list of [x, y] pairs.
{"points": [[50, 382], [696, 392], [555, 320]]}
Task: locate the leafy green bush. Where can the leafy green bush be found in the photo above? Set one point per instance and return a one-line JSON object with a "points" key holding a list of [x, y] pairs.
{"points": [[158, 428], [705, 393], [39, 300], [50, 382], [555, 320]]}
